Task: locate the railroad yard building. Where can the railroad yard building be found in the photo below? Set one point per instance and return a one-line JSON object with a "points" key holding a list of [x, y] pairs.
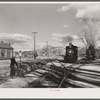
{"points": [[6, 51]]}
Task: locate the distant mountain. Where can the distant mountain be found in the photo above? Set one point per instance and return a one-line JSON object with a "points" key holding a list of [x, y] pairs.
{"points": [[51, 51]]}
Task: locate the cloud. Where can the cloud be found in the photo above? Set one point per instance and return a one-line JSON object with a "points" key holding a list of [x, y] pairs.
{"points": [[40, 45], [17, 41], [64, 8], [83, 10], [14, 38], [65, 26], [90, 11], [58, 37], [65, 39]]}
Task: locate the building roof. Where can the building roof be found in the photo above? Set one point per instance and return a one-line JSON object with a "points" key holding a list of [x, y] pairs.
{"points": [[5, 46]]}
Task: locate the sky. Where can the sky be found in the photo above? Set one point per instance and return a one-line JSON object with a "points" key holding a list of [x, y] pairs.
{"points": [[55, 23]]}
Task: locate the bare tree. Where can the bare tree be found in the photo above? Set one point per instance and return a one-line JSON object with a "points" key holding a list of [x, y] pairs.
{"points": [[88, 34]]}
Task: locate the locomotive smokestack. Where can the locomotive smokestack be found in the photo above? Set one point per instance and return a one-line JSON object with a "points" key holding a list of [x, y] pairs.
{"points": [[1, 41]]}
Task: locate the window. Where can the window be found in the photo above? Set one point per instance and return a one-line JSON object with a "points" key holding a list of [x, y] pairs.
{"points": [[5, 52], [2, 53], [11, 53]]}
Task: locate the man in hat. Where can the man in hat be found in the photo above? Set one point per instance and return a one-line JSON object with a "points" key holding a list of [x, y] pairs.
{"points": [[13, 65]]}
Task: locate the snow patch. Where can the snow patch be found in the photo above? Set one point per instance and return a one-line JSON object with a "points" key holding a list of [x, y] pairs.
{"points": [[91, 67], [14, 83]]}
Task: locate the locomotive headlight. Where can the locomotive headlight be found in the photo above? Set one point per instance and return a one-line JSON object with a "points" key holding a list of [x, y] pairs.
{"points": [[70, 51]]}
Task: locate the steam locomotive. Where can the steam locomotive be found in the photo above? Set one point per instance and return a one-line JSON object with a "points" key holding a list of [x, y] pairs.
{"points": [[90, 53], [71, 55]]}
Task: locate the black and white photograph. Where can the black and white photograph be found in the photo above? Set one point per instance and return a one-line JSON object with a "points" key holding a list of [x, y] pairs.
{"points": [[50, 45]]}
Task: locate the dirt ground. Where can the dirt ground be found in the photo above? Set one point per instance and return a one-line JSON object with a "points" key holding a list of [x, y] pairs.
{"points": [[85, 72]]}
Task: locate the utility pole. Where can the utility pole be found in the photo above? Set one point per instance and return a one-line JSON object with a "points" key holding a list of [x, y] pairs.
{"points": [[20, 53], [47, 49], [34, 44]]}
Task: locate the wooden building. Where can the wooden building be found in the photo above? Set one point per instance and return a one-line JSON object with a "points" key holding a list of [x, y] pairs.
{"points": [[6, 51]]}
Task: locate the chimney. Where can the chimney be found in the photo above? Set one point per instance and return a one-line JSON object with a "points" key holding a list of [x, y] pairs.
{"points": [[9, 43]]}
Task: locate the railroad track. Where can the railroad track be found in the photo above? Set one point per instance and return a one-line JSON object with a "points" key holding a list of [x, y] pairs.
{"points": [[54, 76]]}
